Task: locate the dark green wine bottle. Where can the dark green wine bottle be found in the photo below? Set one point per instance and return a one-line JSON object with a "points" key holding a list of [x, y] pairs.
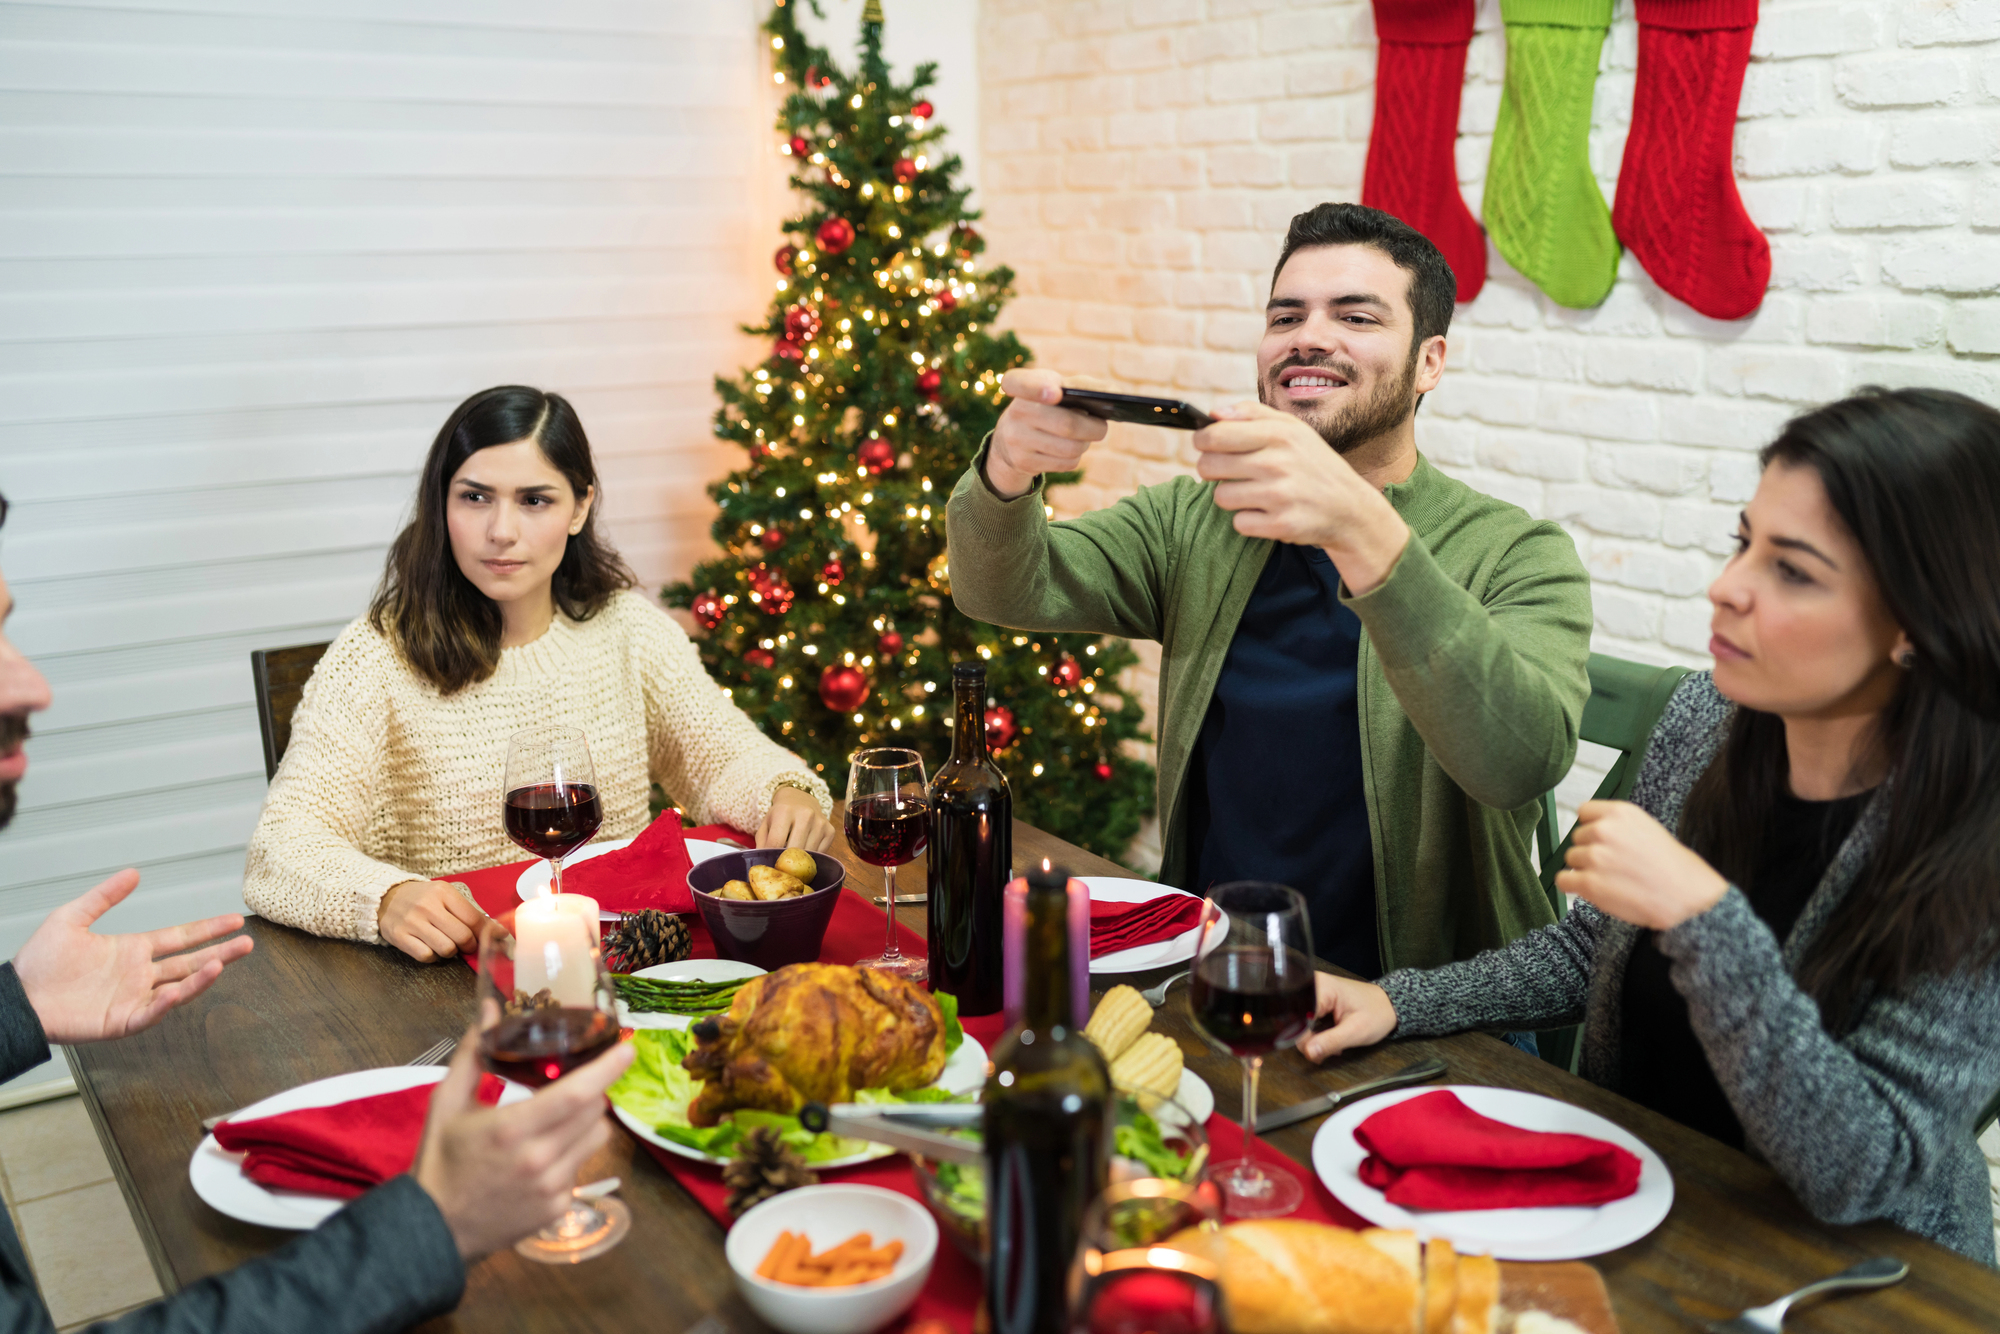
{"points": [[1048, 1109]]}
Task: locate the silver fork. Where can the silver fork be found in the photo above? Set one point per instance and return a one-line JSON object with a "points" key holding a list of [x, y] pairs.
{"points": [[1879, 1272], [434, 1054], [1157, 996]]}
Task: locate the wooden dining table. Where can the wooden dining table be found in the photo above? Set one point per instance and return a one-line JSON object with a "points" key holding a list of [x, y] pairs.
{"points": [[301, 1008]]}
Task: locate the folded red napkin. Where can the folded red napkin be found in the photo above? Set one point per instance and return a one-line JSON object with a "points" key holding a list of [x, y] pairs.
{"points": [[342, 1150], [1434, 1152], [650, 873], [1123, 926]]}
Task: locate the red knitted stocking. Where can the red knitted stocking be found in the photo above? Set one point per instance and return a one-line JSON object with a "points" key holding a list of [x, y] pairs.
{"points": [[1411, 172], [1677, 209]]}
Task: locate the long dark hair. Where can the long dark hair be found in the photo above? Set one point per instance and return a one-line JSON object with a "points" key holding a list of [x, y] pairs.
{"points": [[1914, 474], [447, 629]]}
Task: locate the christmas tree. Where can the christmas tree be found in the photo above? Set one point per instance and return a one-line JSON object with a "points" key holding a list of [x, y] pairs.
{"points": [[828, 616]]}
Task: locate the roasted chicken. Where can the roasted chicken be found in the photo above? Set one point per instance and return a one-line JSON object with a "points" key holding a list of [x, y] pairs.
{"points": [[814, 1032]]}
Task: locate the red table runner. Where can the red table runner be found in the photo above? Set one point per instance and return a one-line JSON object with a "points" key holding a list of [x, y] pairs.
{"points": [[857, 931]]}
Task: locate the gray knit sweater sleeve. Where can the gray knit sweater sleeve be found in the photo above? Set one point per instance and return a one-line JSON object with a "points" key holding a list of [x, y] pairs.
{"points": [[1541, 980]]}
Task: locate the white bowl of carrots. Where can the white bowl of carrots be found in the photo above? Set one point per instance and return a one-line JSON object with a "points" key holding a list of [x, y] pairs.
{"points": [[832, 1259]]}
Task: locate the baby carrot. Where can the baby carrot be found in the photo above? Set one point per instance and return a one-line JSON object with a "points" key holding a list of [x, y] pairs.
{"points": [[779, 1249]]}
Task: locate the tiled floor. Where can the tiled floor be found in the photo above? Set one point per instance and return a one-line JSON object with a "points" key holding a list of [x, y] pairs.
{"points": [[70, 1215]]}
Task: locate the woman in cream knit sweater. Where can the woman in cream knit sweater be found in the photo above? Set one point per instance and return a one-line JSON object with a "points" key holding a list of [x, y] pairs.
{"points": [[500, 610]]}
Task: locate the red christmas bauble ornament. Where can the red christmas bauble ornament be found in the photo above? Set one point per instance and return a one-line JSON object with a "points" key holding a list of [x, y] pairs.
{"points": [[770, 591], [945, 300], [758, 657], [799, 146], [707, 609], [1101, 771], [844, 689], [786, 257], [835, 235], [801, 323], [1000, 727], [832, 572], [928, 382], [786, 349], [1067, 674], [772, 538], [922, 110], [876, 455], [905, 170], [890, 644]]}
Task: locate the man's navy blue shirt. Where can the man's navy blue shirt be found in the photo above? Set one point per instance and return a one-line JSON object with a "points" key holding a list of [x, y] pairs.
{"points": [[1275, 787]]}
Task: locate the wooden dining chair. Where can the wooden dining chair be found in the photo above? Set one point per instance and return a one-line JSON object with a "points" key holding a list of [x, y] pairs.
{"points": [[1626, 701], [280, 675]]}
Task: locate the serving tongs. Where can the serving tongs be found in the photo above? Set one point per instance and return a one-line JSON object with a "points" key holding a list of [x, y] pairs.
{"points": [[914, 1127]]}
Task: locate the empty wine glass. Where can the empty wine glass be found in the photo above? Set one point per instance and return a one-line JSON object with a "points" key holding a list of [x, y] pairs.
{"points": [[1253, 992], [888, 824], [551, 805], [546, 1007]]}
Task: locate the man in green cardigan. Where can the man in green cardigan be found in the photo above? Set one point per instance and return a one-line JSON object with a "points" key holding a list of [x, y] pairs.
{"points": [[1370, 672]]}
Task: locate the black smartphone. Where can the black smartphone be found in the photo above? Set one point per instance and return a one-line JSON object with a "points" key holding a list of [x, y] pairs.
{"points": [[1136, 408]]}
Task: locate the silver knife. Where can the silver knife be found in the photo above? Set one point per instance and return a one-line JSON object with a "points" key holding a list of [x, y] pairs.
{"points": [[1420, 1073]]}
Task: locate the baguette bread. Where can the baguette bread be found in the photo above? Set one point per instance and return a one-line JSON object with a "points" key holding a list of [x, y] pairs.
{"points": [[1282, 1276]]}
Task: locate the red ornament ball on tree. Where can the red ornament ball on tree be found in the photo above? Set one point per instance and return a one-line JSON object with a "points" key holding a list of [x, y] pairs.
{"points": [[844, 689], [832, 572], [758, 657], [800, 323], [707, 609], [1067, 673], [1101, 771], [1001, 728], [835, 235], [785, 349], [876, 455], [799, 146], [905, 170], [928, 383], [770, 590], [890, 644], [787, 256], [945, 300], [922, 110], [772, 538]]}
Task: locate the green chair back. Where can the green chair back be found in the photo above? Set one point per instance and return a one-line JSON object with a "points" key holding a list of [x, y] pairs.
{"points": [[1626, 701]]}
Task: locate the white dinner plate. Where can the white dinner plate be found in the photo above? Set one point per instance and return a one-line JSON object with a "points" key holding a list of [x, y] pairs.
{"points": [[1569, 1233], [1106, 889], [217, 1175], [687, 970], [534, 881], [964, 1072]]}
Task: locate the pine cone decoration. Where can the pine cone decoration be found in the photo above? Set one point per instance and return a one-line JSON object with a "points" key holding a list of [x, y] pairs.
{"points": [[764, 1166], [642, 939]]}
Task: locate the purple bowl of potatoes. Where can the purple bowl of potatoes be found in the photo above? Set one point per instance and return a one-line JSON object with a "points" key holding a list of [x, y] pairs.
{"points": [[760, 911]]}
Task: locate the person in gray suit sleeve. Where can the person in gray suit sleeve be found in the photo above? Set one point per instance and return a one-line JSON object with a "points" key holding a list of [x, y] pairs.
{"points": [[1811, 969], [484, 1177]]}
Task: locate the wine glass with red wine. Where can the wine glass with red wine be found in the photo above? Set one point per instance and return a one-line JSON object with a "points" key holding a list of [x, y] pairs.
{"points": [[888, 824], [1253, 993], [552, 808], [546, 1007]]}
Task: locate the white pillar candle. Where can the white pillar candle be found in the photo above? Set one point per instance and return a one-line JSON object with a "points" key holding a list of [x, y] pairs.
{"points": [[555, 939]]}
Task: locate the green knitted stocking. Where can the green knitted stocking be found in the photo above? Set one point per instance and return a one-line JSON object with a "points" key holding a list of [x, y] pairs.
{"points": [[1542, 207]]}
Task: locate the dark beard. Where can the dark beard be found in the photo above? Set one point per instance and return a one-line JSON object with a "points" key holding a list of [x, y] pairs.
{"points": [[13, 734], [1380, 413]]}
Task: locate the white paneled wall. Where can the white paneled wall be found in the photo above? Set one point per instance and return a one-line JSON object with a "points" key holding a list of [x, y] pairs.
{"points": [[251, 253]]}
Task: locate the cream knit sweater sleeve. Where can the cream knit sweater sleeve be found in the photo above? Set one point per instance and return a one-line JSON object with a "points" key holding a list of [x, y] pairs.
{"points": [[713, 762], [305, 866]]}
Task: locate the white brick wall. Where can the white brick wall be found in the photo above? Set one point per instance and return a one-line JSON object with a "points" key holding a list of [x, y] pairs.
{"points": [[1142, 158]]}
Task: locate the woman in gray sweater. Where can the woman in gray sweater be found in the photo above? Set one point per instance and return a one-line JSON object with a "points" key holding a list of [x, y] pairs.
{"points": [[1790, 936]]}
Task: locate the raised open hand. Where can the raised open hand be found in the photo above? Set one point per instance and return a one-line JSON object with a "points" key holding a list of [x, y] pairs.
{"points": [[87, 988]]}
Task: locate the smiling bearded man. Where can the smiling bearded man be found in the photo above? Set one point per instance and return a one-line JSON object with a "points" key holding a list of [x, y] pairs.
{"points": [[1370, 671]]}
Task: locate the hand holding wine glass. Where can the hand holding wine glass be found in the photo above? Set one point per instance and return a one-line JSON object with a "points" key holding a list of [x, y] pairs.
{"points": [[546, 1007], [1253, 993], [888, 824]]}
